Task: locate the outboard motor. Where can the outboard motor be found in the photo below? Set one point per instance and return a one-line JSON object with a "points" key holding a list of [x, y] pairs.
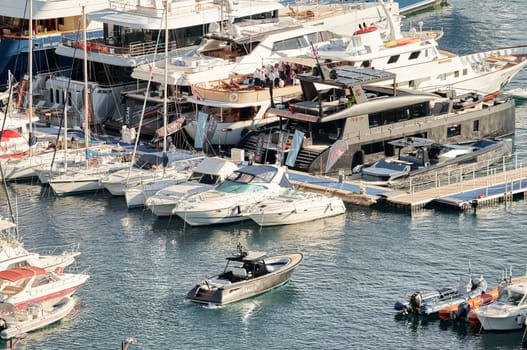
{"points": [[462, 311]]}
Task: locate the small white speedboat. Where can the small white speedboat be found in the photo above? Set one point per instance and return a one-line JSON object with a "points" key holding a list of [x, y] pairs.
{"points": [[293, 206], [35, 317], [509, 312], [246, 274]]}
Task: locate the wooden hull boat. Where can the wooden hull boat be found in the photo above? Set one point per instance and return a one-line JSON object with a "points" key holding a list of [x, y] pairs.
{"points": [[35, 317], [293, 206], [245, 275], [430, 302], [239, 90]]}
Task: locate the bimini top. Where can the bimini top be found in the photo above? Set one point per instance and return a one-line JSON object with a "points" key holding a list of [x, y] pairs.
{"points": [[19, 273], [248, 256]]}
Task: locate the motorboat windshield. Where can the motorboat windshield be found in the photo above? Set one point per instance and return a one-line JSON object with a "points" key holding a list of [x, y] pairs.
{"points": [[230, 186], [254, 174], [512, 297]]}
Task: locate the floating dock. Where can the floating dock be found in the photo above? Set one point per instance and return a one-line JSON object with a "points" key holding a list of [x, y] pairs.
{"points": [[352, 193], [470, 193]]}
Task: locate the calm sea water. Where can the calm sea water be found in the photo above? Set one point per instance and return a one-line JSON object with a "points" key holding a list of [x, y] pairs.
{"points": [[356, 265]]}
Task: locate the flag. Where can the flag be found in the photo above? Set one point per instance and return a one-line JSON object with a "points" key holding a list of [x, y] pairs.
{"points": [[296, 144], [194, 92], [335, 152]]}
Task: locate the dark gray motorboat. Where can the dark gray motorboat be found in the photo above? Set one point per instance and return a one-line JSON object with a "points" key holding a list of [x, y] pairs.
{"points": [[246, 274], [423, 158]]}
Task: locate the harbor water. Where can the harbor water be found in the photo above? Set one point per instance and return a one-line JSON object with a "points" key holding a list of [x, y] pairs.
{"points": [[356, 266]]}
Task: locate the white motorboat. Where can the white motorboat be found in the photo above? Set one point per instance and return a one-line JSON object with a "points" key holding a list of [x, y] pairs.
{"points": [[34, 317], [205, 176], [231, 199], [137, 195], [221, 56], [295, 206], [420, 64], [13, 254], [246, 274], [149, 167], [23, 286], [508, 312]]}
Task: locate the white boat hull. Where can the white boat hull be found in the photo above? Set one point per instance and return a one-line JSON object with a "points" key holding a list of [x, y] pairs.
{"points": [[497, 323], [164, 202], [67, 186], [212, 217], [501, 317], [282, 212], [37, 318]]}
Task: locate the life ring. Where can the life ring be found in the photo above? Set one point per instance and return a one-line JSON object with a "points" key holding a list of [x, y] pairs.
{"points": [[4, 149], [59, 270], [365, 30], [233, 97], [94, 161]]}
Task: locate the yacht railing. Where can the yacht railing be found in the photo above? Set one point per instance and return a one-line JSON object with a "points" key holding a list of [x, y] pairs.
{"points": [[136, 48]]}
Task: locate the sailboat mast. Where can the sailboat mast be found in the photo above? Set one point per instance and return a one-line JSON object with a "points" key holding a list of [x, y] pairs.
{"points": [[30, 63], [165, 92], [85, 68]]}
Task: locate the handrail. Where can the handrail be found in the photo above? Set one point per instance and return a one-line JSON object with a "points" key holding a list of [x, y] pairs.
{"points": [[135, 48]]}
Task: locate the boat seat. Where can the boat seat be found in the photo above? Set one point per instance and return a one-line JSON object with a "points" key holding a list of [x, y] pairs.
{"points": [[271, 267], [11, 290], [239, 272]]}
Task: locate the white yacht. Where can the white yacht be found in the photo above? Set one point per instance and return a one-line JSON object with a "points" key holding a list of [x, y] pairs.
{"points": [[51, 20], [245, 45], [231, 199], [133, 34], [205, 176], [419, 63]]}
